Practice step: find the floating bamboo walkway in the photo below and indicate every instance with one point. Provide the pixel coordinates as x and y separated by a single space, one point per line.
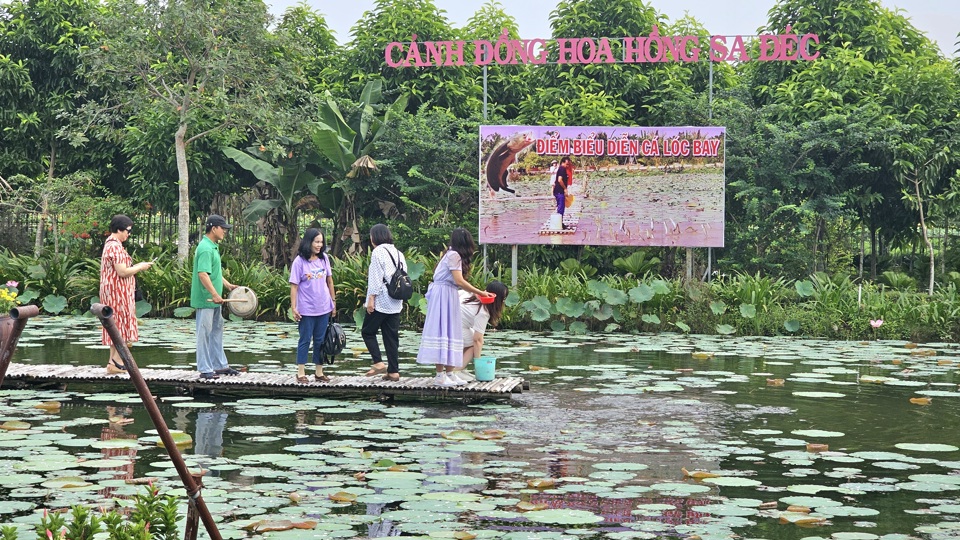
249 383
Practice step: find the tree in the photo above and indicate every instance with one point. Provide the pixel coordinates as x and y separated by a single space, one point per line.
599 94
40 46
207 66
453 87
506 85
319 54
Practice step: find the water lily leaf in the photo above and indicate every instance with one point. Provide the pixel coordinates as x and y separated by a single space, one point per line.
10 507
791 325
725 329
279 525
542 483
66 482
180 439
458 435
183 312
343 496
650 318
525 506
142 308
14 425
749 311
563 517
919 447
819 394
49 406
718 307
732 481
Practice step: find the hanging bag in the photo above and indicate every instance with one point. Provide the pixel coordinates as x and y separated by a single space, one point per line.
399 286
333 342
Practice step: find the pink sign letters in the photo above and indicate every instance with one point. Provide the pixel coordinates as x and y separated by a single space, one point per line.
651 48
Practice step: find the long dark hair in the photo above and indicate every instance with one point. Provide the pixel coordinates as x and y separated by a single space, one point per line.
305 251
495 309
461 241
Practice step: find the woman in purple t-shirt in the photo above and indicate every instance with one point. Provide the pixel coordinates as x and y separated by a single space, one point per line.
312 300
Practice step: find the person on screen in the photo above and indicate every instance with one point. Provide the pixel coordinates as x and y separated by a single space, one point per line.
560 181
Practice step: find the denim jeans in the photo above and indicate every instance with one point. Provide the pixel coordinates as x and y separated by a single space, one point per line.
312 327
210 355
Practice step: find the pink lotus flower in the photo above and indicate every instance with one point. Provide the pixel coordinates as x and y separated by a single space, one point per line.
876 323
13 284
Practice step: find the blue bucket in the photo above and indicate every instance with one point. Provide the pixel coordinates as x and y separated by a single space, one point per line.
485 368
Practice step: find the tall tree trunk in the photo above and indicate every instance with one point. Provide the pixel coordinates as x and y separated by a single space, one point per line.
873 253
183 202
45 202
926 235
862 253
943 245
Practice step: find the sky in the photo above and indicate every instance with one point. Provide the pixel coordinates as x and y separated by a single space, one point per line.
938 19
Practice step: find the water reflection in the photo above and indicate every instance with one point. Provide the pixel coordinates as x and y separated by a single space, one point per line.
208 439
117 418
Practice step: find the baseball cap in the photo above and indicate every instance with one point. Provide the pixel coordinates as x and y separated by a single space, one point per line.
215 220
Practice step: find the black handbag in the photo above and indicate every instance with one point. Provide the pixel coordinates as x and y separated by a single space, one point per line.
333 342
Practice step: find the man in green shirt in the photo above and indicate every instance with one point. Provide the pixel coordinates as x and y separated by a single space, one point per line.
205 288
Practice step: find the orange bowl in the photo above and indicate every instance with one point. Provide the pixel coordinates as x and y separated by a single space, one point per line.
486 299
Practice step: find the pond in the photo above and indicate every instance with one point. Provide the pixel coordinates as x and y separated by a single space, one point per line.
782 438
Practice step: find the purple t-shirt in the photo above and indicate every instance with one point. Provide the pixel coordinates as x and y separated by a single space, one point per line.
313 295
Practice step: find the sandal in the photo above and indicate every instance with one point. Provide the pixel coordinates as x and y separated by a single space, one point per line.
376 371
113 367
322 378
392 377
302 380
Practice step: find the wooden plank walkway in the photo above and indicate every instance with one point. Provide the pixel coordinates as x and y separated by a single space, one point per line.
249 383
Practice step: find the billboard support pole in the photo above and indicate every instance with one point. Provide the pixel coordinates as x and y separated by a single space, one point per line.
707 272
485 274
513 266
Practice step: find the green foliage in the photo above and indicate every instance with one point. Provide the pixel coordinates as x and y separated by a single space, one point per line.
637 264
898 281
154 517
452 88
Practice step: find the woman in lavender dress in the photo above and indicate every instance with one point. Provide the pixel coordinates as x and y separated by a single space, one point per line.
442 340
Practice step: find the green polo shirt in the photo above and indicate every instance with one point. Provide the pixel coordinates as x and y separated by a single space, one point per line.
205 259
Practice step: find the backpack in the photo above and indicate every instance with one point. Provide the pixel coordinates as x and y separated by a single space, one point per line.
399 287
333 342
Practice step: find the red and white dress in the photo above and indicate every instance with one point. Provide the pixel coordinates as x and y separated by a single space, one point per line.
117 292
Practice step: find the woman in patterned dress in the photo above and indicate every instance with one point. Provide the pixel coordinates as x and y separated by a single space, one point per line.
117 286
442 341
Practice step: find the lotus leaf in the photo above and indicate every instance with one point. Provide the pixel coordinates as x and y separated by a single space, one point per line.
563 517
919 447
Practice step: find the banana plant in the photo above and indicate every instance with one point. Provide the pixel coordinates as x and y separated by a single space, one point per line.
290 180
345 146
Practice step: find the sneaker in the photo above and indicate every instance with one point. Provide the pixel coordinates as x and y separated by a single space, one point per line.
465 375
456 378
228 371
450 380
209 375
441 379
